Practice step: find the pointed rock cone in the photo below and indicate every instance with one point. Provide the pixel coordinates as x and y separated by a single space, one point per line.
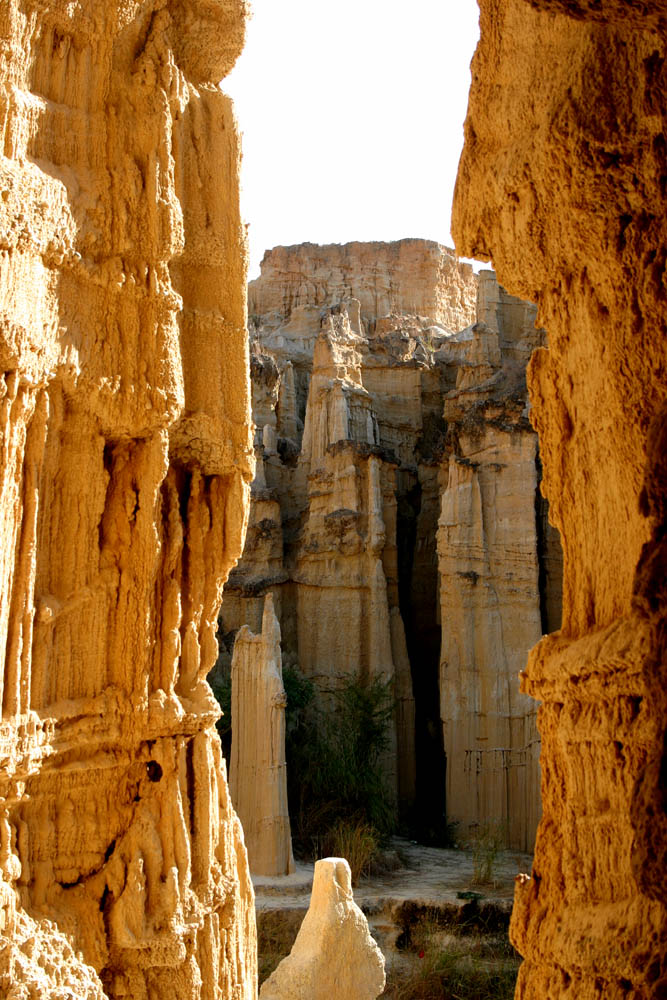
334 956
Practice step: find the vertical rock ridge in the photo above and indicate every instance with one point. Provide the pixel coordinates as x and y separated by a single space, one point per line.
258 772
489 563
124 473
561 183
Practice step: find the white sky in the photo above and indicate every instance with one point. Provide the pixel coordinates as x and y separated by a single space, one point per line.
352 118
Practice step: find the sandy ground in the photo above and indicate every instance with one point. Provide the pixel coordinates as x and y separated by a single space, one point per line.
431 878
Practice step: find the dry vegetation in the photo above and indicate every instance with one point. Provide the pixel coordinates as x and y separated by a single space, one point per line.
486 843
437 961
439 965
276 932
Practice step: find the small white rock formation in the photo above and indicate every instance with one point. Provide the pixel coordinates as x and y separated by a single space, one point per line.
334 956
258 772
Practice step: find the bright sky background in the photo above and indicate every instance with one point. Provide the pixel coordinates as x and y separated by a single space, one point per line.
352 118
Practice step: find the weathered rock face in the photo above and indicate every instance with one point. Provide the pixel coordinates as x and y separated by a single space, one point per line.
489 561
123 477
258 773
364 422
410 276
334 954
562 184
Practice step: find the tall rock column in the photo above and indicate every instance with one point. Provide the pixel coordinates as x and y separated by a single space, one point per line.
258 771
487 551
562 183
372 365
124 476
488 558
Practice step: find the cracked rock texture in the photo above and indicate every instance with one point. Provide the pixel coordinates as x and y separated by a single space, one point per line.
388 386
562 185
124 469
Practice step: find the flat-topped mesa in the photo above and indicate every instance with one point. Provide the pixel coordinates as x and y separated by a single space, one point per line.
409 276
367 412
124 486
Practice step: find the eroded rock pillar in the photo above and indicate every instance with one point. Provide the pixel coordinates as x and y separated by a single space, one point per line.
334 955
258 770
125 465
562 184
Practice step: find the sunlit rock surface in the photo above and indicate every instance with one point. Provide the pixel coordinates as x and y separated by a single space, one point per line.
562 184
124 478
334 955
491 550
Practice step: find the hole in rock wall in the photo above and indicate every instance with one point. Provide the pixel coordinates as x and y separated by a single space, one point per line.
153 770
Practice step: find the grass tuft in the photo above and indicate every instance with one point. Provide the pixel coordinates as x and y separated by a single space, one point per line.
487 840
357 842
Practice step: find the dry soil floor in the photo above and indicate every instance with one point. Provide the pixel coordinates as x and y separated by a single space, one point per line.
433 883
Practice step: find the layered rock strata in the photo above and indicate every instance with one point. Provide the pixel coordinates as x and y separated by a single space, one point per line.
258 773
334 954
364 421
124 472
562 185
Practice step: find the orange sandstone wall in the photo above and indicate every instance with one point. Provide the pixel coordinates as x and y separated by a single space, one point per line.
125 461
562 184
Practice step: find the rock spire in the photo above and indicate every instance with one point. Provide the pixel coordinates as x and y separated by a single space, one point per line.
258 773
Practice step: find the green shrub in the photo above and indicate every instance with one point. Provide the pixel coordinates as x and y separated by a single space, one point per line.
299 691
338 798
334 766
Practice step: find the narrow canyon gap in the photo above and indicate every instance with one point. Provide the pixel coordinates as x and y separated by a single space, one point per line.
562 184
397 489
125 467
124 472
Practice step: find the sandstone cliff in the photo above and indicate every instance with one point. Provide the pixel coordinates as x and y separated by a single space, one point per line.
562 184
492 608
388 387
124 477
